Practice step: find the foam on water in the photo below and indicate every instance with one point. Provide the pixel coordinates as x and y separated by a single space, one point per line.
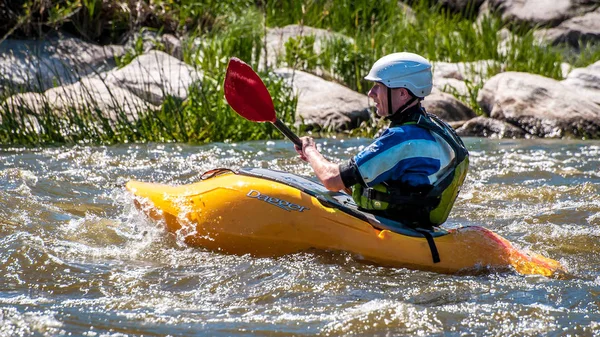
78 258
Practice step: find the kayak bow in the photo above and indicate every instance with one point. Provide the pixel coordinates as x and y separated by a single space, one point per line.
269 213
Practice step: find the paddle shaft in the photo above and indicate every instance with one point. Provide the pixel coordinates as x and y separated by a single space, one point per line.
287 132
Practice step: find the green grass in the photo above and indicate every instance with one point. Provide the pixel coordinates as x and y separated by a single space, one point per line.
213 31
203 117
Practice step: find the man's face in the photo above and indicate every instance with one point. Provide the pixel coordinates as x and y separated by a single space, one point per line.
378 94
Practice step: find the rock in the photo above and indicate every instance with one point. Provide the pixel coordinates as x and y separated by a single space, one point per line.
586 81
93 95
488 127
142 41
409 13
325 104
539 105
32 65
456 78
466 7
565 69
277 37
447 107
155 75
24 108
172 46
577 30
147 39
540 12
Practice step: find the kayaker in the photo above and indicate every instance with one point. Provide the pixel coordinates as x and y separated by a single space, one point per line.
414 170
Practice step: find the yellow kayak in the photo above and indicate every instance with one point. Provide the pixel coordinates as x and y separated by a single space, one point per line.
269 213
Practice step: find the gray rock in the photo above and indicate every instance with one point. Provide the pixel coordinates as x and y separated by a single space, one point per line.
409 13
488 127
142 41
447 107
154 76
325 104
172 46
92 94
541 12
147 40
586 81
581 29
24 108
462 6
32 65
277 37
457 78
539 105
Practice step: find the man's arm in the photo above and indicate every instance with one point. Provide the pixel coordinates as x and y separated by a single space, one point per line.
327 172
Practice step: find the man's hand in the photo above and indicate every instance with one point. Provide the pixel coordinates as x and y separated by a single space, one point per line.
308 143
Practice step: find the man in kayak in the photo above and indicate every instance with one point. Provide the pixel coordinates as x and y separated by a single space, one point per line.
413 172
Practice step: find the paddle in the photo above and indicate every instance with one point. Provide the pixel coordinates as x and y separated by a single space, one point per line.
248 96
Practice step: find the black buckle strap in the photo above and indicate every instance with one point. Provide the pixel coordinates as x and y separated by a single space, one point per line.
435 255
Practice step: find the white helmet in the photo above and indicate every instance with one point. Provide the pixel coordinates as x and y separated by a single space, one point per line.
403 70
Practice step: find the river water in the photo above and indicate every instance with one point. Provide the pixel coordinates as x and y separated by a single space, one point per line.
76 258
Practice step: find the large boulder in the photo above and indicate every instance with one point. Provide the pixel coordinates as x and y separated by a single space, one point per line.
487 127
326 104
88 96
580 29
541 12
539 105
97 96
447 107
37 65
154 76
586 81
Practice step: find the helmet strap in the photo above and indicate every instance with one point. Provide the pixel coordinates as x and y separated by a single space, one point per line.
403 107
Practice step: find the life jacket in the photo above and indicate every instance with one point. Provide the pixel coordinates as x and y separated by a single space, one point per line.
420 208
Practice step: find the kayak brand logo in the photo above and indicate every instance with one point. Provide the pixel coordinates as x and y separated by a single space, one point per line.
285 205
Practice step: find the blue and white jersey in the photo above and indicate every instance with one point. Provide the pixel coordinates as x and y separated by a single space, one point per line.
409 154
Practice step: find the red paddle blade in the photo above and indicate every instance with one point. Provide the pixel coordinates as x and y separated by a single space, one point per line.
246 93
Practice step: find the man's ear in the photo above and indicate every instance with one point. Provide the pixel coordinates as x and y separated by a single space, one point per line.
403 92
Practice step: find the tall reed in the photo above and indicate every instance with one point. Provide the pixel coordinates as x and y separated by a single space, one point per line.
213 31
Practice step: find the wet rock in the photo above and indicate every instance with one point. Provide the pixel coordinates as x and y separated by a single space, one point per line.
447 107
586 81
541 12
539 105
37 65
154 76
326 104
581 29
488 127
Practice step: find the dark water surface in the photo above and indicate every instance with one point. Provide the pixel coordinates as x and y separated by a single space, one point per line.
76 258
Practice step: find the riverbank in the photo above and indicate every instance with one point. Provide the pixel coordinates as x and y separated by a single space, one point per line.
156 75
